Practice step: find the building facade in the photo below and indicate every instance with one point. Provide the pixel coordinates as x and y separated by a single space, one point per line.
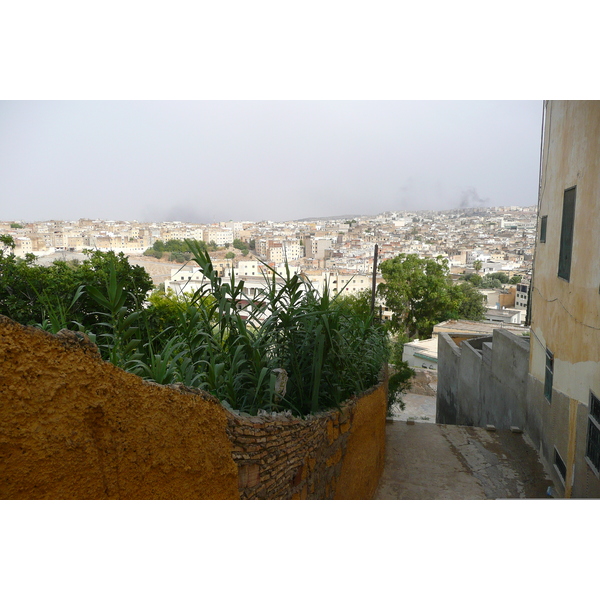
563 414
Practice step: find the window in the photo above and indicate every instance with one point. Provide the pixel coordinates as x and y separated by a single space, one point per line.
549 375
543 226
559 463
566 234
592 451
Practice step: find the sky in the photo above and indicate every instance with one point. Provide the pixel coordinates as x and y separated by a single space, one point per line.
209 161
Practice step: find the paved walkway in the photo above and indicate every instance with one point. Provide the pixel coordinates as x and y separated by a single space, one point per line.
430 461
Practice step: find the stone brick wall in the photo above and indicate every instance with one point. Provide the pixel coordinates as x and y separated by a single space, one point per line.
337 454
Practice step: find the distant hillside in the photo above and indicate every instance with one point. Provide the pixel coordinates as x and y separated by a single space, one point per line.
338 218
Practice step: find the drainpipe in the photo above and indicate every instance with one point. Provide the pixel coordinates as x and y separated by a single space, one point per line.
528 313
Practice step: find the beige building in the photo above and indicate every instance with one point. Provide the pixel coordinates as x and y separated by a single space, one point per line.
563 412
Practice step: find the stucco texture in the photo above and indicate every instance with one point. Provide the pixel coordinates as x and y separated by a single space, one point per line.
75 427
364 458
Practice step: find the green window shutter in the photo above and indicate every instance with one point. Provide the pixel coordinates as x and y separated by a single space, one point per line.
543 227
566 234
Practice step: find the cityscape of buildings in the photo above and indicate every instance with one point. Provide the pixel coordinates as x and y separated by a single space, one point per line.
338 252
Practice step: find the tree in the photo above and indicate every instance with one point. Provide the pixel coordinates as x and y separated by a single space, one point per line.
490 282
501 277
417 291
30 293
515 279
358 304
420 293
239 245
469 302
474 279
230 255
477 266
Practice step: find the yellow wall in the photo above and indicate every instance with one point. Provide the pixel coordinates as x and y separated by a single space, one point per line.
566 315
73 426
365 454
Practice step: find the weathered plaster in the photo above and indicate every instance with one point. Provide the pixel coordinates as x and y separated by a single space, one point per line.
75 427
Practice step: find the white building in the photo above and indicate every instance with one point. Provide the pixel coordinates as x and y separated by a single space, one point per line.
421 353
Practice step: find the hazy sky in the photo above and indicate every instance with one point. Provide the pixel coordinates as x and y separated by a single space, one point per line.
207 161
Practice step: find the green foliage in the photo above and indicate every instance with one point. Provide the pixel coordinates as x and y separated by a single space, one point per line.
33 294
417 291
16 226
515 279
176 250
328 353
473 279
8 241
400 375
501 277
239 245
252 244
468 303
477 266
489 282
245 252
358 304
230 255
216 339
420 293
117 335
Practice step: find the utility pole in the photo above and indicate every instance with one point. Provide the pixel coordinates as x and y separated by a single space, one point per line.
374 283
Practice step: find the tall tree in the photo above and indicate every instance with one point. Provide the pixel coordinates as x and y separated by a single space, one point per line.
420 293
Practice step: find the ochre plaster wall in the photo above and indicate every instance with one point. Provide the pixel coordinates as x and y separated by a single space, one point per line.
74 426
365 454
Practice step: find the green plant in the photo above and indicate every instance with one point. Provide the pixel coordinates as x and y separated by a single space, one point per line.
119 337
401 373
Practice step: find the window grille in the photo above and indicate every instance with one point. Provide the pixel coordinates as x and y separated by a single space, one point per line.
549 375
592 451
560 465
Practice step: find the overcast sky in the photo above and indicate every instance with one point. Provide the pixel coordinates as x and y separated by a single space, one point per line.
207 161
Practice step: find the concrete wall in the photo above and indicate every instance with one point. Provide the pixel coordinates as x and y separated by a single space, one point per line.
484 382
75 427
449 355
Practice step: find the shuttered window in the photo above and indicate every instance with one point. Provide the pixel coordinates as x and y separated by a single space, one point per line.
549 375
543 227
560 465
592 451
566 234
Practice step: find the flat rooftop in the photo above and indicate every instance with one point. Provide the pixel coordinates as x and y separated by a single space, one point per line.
476 327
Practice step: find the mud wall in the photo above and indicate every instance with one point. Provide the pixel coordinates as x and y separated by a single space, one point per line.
75 427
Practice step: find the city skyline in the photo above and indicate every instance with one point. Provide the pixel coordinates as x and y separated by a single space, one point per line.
209 161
